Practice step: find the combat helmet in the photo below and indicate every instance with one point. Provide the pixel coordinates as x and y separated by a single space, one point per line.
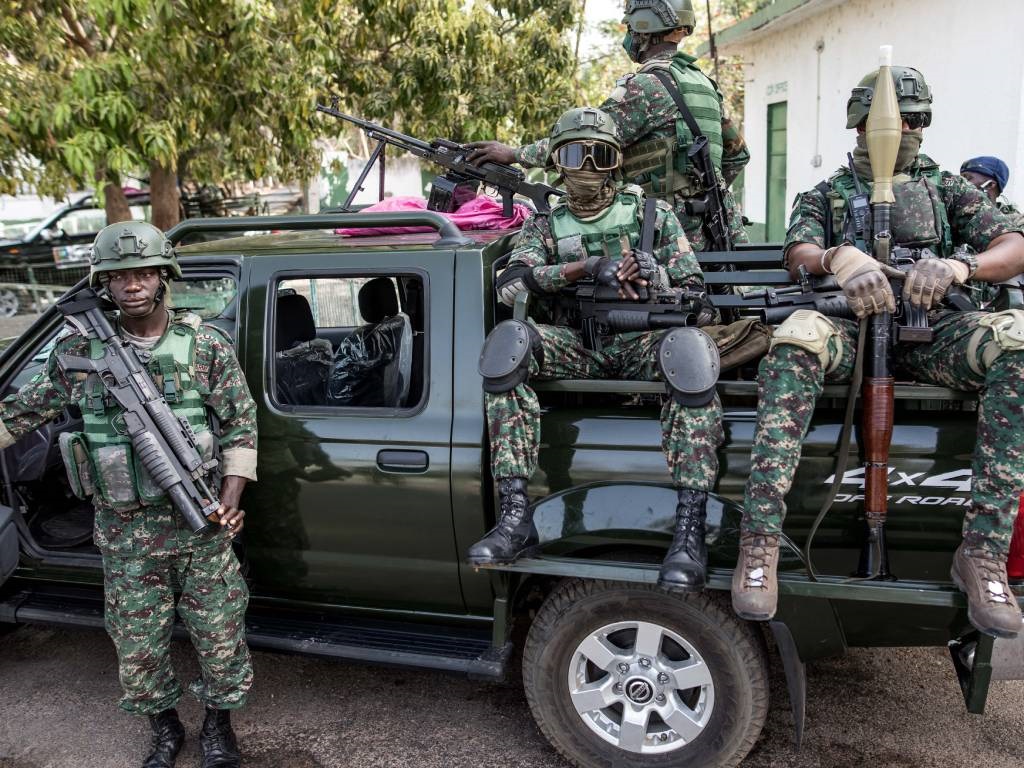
591 128
647 17
911 89
130 245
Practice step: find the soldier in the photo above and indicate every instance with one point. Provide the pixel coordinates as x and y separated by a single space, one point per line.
991 175
654 133
147 547
973 351
593 234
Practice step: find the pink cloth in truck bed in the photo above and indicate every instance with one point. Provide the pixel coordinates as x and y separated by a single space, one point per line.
482 212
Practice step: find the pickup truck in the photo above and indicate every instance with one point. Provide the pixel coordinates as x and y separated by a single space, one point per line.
374 479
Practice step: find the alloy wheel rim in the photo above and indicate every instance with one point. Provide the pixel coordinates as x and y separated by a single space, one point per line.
641 687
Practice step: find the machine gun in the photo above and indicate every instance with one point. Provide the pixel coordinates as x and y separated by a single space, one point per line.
462 180
165 444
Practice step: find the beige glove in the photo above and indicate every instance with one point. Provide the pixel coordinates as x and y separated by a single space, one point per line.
929 280
864 281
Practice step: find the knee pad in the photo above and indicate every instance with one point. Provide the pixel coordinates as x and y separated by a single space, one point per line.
505 358
811 331
996 333
689 362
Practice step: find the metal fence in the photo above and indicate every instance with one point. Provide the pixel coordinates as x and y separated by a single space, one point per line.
33 288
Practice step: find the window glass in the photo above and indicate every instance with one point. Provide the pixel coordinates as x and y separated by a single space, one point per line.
208 297
349 342
87 221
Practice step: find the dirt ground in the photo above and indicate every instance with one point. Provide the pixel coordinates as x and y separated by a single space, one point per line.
880 708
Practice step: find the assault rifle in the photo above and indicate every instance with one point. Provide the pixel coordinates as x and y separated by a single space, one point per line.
462 180
597 310
164 443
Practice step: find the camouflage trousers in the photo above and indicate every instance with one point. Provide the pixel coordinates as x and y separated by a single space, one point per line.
690 436
790 381
139 617
695 232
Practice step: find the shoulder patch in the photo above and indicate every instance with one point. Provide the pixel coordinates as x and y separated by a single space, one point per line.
661 205
191 319
622 81
215 332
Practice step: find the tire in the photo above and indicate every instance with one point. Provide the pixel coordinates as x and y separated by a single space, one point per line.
9 303
709 677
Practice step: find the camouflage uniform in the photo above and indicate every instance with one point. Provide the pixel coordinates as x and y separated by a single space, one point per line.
643 110
148 550
791 378
690 436
1010 208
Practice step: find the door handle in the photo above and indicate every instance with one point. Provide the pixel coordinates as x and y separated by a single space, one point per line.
406 462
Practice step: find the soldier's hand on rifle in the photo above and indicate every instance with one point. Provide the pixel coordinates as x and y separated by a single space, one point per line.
864 281
929 279
490 152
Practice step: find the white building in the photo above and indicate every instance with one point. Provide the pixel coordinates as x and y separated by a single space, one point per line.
803 57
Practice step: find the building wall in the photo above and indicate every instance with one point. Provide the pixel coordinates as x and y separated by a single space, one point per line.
969 52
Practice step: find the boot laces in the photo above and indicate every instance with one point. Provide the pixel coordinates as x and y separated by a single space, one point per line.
758 556
994 574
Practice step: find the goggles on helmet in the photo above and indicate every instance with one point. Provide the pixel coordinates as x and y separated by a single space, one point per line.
573 154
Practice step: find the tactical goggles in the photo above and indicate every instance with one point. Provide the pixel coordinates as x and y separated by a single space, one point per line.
917 120
573 154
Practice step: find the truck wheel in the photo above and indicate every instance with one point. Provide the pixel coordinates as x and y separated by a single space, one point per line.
9 303
628 675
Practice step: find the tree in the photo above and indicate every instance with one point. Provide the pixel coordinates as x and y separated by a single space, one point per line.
91 90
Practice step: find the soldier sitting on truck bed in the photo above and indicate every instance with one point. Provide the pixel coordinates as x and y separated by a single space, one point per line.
973 351
593 236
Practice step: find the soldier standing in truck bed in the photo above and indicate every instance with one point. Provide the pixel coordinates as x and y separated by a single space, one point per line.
654 134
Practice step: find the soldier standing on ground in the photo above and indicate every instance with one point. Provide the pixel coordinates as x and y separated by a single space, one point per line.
147 547
654 135
975 351
594 234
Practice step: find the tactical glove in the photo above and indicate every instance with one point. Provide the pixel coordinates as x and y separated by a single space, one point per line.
864 281
650 270
602 269
929 279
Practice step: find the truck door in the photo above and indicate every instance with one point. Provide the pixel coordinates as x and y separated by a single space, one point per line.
350 357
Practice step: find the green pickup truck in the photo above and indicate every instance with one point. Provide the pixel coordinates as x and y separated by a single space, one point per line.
361 352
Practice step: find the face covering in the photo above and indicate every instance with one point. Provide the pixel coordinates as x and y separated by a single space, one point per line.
910 147
588 192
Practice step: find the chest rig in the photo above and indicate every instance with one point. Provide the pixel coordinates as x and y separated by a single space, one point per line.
919 218
614 231
115 473
660 165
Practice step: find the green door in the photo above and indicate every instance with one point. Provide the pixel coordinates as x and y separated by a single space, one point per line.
776 197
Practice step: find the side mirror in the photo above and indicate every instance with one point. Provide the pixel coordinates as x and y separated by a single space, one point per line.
50 234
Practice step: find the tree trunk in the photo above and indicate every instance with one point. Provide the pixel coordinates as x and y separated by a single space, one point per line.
114 201
163 196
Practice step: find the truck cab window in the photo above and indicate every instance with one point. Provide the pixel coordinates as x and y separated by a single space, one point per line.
349 342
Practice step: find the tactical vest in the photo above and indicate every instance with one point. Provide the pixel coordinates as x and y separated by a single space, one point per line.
117 476
617 229
660 165
919 218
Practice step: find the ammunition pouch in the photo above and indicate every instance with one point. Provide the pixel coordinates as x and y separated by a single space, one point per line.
505 357
75 453
689 362
996 333
739 342
811 331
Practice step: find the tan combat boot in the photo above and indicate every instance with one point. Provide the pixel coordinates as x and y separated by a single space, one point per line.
755 588
991 606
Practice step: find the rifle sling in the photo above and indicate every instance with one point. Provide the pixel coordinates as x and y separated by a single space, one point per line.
647 226
843 448
673 90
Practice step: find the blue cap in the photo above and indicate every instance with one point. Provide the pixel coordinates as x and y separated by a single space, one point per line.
989 166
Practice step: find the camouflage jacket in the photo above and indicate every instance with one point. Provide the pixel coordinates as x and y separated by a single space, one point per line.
643 109
535 249
155 530
1010 208
973 219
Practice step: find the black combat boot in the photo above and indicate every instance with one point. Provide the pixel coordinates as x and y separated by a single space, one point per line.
217 741
168 737
514 535
686 564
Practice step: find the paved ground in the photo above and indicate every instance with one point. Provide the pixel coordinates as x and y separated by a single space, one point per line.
883 709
